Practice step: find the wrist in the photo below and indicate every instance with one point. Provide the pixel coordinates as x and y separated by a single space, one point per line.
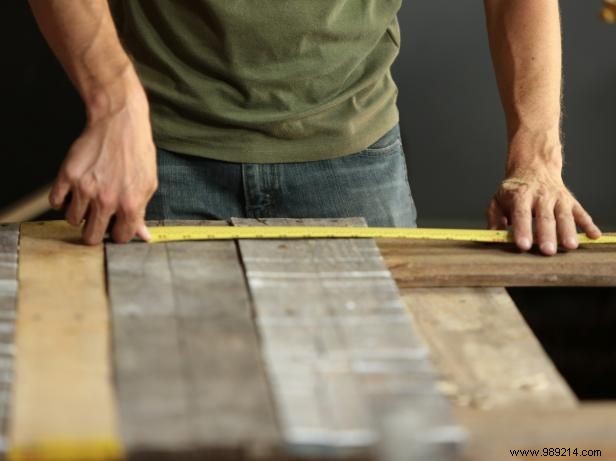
115 93
535 149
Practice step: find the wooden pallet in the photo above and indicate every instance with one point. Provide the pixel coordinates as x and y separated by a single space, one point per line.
277 350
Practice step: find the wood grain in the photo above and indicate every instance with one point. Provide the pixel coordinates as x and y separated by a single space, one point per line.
9 236
454 264
63 406
347 369
484 351
495 432
189 376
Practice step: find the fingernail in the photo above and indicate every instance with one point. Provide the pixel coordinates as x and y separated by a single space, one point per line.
571 242
145 234
548 248
524 243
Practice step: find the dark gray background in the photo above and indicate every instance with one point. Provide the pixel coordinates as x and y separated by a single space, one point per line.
451 117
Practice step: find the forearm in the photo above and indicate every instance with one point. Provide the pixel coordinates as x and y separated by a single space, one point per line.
525 41
110 170
83 37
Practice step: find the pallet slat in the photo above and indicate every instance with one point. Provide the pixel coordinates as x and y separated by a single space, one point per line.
486 354
458 264
186 352
588 428
9 236
339 346
62 404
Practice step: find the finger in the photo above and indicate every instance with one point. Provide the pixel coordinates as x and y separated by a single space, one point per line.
545 228
77 208
96 224
128 221
58 193
522 223
565 224
143 233
584 220
495 216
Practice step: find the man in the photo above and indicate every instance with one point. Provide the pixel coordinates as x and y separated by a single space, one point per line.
285 108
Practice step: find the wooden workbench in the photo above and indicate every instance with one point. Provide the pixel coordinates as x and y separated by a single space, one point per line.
84 372
506 391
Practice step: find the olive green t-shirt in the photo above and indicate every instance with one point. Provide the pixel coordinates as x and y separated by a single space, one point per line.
265 80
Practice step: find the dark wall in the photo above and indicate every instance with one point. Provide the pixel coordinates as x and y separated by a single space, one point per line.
451 117
42 113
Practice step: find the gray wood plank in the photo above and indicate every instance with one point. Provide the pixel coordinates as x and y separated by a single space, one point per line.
148 366
340 348
9 239
192 382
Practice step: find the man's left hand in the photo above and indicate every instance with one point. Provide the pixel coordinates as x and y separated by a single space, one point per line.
540 209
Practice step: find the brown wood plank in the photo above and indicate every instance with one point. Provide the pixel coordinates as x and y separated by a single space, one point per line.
9 236
495 432
62 404
339 346
187 355
433 264
484 351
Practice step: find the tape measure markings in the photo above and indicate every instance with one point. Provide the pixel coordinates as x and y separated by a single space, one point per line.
186 233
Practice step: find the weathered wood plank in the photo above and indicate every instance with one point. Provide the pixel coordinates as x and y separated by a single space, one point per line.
495 432
433 264
188 368
9 235
149 375
339 346
485 352
62 405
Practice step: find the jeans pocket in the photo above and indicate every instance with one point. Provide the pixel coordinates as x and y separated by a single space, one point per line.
390 143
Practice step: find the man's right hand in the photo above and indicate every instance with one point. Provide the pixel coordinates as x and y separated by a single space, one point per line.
111 168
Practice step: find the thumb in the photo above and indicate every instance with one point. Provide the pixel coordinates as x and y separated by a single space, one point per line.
143 233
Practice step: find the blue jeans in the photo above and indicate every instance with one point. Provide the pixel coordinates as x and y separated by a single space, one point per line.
372 183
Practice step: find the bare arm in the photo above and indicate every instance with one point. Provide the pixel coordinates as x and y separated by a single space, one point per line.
111 168
525 41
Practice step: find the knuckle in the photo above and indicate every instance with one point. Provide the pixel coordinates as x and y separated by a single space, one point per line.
544 217
520 213
85 188
129 207
71 175
106 201
520 201
518 191
564 216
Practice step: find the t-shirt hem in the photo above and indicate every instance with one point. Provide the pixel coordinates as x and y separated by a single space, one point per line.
302 151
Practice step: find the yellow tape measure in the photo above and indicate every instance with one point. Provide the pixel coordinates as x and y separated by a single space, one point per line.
183 233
